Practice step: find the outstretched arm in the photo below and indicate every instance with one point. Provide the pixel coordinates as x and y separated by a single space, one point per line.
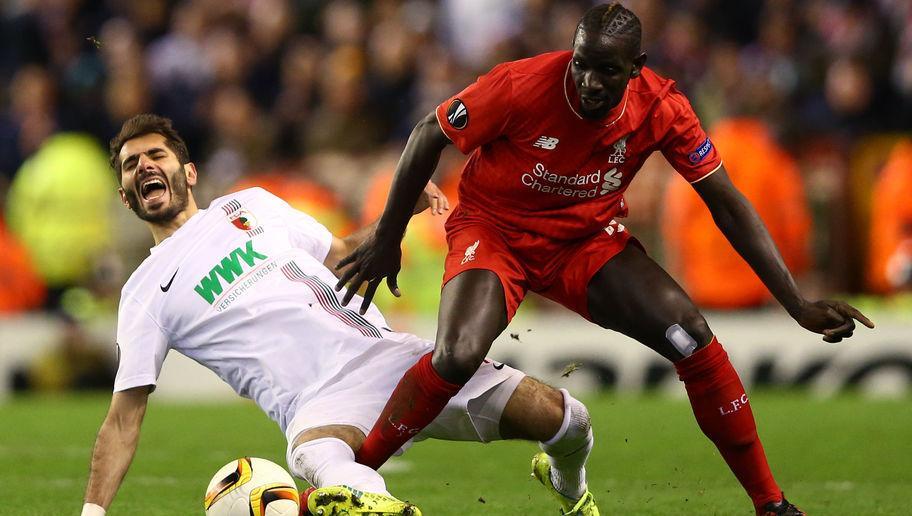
431 198
114 448
379 255
739 222
415 168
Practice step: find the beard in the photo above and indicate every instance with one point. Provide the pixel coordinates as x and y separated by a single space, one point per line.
596 115
178 202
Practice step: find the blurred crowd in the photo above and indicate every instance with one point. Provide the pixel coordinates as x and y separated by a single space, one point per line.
809 101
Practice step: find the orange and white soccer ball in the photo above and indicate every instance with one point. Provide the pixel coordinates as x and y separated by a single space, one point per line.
251 487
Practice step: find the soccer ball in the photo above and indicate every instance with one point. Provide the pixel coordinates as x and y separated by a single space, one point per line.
251 487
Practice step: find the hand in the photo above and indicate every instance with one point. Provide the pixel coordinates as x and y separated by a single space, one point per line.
432 198
834 319
376 258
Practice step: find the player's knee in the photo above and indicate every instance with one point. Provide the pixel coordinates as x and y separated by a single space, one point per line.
553 408
575 431
696 326
689 334
309 460
457 361
580 423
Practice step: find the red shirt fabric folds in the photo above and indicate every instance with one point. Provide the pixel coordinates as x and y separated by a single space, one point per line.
536 165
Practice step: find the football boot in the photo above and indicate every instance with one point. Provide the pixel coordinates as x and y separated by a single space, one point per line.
781 508
585 506
348 501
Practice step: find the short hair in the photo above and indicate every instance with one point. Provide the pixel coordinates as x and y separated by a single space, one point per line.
612 20
141 125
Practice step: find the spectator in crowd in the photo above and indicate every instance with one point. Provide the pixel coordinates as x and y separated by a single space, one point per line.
304 86
31 118
715 275
59 208
890 254
74 363
21 288
304 195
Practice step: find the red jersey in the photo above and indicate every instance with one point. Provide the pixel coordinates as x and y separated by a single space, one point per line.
537 165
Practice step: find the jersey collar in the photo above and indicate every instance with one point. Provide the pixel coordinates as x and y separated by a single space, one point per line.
191 221
611 118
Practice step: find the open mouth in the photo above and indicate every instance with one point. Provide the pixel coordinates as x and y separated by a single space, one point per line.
152 189
589 101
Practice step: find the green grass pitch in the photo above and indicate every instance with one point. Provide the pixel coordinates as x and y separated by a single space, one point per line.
844 456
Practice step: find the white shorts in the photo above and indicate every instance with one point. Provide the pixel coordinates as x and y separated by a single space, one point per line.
357 395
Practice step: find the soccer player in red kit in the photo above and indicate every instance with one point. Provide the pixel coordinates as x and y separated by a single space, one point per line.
553 142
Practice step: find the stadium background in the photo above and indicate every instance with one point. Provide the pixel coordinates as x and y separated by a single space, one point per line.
810 103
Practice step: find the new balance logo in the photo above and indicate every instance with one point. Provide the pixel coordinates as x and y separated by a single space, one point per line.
470 253
546 142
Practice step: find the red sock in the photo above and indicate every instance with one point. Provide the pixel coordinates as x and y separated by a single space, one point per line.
302 501
416 401
723 413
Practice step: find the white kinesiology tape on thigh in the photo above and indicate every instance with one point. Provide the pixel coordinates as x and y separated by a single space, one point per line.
330 462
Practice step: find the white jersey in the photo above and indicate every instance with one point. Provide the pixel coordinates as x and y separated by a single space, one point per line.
241 288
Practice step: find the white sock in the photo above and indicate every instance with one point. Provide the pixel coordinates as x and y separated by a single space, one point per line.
569 448
331 462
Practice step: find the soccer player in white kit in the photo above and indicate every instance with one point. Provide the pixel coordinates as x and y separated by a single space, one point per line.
244 288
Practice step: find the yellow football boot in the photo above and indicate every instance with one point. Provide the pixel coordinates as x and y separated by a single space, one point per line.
347 501
585 506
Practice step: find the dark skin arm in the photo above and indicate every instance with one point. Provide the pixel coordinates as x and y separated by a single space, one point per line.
380 255
739 222
431 198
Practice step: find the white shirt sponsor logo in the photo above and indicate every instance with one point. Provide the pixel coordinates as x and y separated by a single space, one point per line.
584 186
470 252
614 227
620 151
612 181
546 142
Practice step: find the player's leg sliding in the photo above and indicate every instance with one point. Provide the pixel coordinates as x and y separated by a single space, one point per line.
721 408
328 461
342 486
568 450
419 398
561 468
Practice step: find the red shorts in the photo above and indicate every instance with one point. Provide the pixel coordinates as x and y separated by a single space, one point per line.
558 270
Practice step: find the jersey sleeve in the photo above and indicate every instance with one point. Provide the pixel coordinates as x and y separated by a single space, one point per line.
308 234
141 347
686 145
304 231
479 113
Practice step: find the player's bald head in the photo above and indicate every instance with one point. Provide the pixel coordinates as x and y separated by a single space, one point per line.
610 24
